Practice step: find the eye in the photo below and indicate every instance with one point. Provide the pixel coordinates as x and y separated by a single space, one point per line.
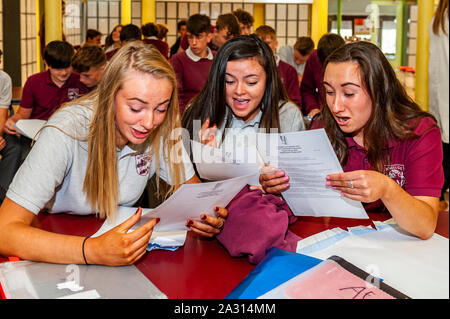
161 110
348 94
252 83
134 109
229 82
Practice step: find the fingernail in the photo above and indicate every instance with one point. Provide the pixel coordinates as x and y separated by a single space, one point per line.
286 178
334 187
216 209
328 183
138 210
203 216
328 177
280 173
189 223
157 220
287 185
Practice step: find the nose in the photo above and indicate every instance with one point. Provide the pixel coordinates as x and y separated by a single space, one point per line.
147 120
336 104
240 88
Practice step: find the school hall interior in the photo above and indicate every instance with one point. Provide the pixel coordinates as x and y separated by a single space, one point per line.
399 28
380 223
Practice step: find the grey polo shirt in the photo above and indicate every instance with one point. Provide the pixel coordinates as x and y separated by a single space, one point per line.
53 173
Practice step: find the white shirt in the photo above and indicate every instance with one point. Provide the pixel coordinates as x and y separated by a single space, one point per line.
438 78
5 90
53 173
191 55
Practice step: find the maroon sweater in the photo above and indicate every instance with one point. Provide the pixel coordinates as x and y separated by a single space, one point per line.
191 76
162 46
289 77
311 87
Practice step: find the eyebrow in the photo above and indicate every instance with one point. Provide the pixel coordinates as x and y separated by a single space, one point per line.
342 85
247 76
144 102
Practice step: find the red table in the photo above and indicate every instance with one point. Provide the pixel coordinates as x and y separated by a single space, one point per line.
202 268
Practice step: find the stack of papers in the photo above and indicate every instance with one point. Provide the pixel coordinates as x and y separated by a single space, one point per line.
417 268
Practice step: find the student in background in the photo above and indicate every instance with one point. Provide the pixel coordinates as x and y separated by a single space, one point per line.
122 128
192 66
298 54
93 37
181 30
162 31
246 21
227 27
112 41
44 92
150 32
287 72
438 76
128 33
243 94
311 85
390 149
10 148
89 62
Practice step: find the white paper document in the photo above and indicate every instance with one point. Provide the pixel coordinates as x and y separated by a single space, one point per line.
307 157
192 200
161 239
189 201
224 163
418 268
29 128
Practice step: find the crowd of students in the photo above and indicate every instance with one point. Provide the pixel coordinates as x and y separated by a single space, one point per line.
110 123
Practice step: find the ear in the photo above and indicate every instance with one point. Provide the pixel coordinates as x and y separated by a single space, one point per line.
209 37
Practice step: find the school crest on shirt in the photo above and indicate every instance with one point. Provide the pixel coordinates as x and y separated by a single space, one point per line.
73 93
396 172
143 163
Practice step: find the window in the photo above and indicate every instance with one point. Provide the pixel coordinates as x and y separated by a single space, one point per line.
72 22
28 38
103 16
290 21
136 16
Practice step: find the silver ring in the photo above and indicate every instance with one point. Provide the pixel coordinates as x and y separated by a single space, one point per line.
350 184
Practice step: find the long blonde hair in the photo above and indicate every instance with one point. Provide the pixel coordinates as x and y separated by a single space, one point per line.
101 184
439 17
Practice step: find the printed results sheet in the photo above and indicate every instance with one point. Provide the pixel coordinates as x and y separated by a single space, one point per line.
307 157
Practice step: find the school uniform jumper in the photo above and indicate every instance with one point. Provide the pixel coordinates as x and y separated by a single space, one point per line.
191 72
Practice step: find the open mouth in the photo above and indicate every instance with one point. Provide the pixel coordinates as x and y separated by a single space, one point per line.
342 120
138 134
241 103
